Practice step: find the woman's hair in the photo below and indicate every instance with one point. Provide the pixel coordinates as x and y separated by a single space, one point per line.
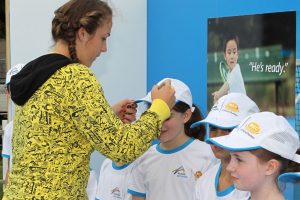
229 38
286 165
69 18
197 132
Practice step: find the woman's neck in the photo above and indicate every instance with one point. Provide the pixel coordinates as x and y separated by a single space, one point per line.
61 47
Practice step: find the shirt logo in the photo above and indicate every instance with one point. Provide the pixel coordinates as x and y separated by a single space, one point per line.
198 174
116 193
253 128
232 107
180 172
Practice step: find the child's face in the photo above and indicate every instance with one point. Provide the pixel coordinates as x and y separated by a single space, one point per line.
174 126
247 172
218 151
231 54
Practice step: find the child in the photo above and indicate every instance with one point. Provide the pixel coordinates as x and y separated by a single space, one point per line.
113 181
168 170
234 82
261 148
7 138
227 113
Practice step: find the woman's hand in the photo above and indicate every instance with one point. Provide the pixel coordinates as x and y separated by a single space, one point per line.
164 92
126 110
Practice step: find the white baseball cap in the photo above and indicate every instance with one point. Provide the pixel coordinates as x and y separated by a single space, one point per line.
229 111
291 177
182 93
13 71
262 130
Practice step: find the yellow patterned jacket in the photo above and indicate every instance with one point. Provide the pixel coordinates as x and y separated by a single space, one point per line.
59 126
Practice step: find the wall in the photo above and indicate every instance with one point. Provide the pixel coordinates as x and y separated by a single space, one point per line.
177 39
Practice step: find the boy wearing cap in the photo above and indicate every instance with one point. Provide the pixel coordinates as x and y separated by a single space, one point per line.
168 170
6 148
261 147
226 114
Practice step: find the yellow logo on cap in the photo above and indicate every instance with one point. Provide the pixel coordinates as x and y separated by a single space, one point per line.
231 106
253 127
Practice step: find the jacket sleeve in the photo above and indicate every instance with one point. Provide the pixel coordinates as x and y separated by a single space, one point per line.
94 118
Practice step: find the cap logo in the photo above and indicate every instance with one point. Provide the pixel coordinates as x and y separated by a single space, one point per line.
253 127
233 107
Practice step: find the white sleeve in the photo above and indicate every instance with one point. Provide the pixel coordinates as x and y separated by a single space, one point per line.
92 185
7 140
136 185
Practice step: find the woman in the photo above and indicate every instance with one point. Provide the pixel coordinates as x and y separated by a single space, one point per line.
62 114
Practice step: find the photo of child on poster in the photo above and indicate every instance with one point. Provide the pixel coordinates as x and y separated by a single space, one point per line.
254 55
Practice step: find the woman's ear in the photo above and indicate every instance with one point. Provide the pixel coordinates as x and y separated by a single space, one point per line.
273 166
82 35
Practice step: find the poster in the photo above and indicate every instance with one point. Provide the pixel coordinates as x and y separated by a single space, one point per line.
265 63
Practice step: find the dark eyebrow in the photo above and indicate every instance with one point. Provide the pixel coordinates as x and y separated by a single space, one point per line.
236 155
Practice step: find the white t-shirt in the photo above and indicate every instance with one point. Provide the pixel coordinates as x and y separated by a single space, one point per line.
170 174
92 185
7 140
235 80
113 181
207 187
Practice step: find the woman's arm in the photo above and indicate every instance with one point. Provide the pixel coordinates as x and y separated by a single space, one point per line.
96 120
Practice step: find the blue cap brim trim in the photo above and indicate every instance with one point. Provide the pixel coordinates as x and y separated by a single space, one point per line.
211 141
209 123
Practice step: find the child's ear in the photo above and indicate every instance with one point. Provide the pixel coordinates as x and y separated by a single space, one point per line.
272 167
187 115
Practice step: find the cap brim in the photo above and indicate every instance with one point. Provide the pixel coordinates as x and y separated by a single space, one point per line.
291 177
141 101
233 142
206 121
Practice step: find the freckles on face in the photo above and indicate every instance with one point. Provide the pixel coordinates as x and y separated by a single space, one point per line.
246 170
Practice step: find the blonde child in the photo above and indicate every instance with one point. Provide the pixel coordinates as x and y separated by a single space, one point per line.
261 148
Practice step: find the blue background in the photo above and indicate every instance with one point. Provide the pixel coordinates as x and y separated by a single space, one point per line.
177 41
177 37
